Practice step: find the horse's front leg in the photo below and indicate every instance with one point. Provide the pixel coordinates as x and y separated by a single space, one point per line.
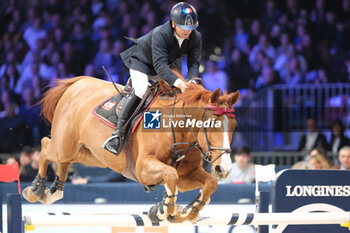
198 178
152 171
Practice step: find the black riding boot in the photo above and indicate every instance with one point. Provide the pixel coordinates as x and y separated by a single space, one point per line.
114 143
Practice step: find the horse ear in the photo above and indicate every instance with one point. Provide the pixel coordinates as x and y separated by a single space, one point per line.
233 98
215 96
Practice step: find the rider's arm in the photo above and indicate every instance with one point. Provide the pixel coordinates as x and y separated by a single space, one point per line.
160 57
194 55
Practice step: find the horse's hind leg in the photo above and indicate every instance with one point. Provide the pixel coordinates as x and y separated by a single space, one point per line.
34 192
57 188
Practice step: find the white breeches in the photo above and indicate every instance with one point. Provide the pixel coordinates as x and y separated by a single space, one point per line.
139 82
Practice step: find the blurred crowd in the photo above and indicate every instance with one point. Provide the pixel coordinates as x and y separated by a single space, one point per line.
249 45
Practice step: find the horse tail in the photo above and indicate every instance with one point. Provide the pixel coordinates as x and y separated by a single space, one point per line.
53 95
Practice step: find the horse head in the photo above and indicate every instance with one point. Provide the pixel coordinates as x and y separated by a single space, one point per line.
215 136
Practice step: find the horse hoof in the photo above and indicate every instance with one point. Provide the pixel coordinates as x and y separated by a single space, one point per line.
194 219
49 198
171 219
29 195
152 214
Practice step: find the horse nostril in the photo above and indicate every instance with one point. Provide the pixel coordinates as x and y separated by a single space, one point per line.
218 169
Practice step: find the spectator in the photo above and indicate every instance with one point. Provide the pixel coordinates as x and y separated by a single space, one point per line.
318 160
25 156
27 76
300 32
240 38
271 14
322 77
11 127
33 33
283 66
118 69
275 35
264 46
80 39
73 65
214 78
283 44
344 159
31 114
303 165
294 74
317 16
12 76
344 74
310 52
261 60
103 57
312 139
90 70
96 7
242 170
10 160
30 171
59 38
255 31
239 71
292 12
55 68
267 78
338 138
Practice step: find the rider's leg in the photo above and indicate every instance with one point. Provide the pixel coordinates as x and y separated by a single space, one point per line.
140 85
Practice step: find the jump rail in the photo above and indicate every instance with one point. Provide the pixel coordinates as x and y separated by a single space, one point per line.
131 220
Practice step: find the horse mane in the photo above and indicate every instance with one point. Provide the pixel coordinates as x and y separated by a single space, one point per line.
52 96
195 93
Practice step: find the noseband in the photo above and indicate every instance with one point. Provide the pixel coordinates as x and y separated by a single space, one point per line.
206 154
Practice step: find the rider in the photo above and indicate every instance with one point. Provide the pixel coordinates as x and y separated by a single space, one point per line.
152 56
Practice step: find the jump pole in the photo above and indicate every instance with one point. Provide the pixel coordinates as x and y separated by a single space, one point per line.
133 220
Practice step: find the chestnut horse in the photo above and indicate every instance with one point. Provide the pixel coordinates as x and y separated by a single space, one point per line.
77 136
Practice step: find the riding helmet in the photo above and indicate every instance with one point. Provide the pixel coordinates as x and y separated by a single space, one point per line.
184 15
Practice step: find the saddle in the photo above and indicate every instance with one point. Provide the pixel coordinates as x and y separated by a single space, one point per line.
109 110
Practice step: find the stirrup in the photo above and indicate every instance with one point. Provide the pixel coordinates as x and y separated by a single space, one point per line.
113 150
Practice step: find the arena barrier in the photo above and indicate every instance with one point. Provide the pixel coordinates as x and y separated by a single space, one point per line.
322 208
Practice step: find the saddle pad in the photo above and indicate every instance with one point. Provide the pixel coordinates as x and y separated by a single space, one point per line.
106 111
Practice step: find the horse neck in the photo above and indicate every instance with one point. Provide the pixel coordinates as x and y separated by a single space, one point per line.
189 111
195 110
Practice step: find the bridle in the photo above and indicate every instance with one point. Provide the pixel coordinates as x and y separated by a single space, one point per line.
206 154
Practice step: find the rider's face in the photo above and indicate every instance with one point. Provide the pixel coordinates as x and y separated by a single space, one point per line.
184 34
